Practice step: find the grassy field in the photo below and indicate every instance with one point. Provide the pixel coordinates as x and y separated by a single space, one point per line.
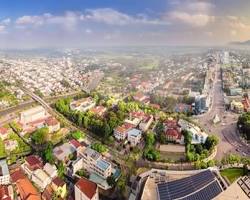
232 174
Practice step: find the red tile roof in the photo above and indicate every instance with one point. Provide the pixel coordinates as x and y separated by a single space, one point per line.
75 143
4 193
3 130
51 121
173 133
124 128
48 193
26 190
34 161
99 110
58 182
87 187
171 123
18 174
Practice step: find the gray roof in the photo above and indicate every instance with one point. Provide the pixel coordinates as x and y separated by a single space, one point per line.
4 168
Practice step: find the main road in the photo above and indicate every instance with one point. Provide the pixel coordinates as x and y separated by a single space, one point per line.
226 130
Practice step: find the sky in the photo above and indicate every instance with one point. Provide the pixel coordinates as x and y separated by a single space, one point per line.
82 23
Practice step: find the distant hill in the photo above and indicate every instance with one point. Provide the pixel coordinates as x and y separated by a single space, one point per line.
241 43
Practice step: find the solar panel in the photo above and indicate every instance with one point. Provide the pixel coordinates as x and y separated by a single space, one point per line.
183 187
207 193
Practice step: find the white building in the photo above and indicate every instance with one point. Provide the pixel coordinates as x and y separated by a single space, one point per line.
83 104
32 114
41 179
86 190
134 136
121 132
92 161
198 136
145 123
51 170
4 173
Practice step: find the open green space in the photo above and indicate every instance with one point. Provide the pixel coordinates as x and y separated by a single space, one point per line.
232 174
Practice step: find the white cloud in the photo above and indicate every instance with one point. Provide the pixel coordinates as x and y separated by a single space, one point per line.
192 12
2 29
198 20
108 16
88 31
5 21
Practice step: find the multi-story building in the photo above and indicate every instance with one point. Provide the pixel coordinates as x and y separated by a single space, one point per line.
134 136
4 173
86 190
121 132
41 179
93 162
31 164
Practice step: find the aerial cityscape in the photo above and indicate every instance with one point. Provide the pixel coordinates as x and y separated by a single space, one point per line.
125 100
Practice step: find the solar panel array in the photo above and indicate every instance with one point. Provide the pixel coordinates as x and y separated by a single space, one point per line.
207 193
183 187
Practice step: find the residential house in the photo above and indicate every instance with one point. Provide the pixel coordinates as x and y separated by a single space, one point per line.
41 179
173 135
48 193
146 122
53 124
4 173
6 192
83 104
10 145
24 188
63 152
4 133
141 98
121 132
86 190
32 163
51 170
173 131
59 187
99 110
198 136
134 136
93 162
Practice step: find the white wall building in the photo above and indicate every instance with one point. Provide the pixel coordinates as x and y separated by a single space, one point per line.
134 136
32 114
4 173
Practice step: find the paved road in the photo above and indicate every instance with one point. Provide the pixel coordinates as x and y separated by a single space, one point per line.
226 130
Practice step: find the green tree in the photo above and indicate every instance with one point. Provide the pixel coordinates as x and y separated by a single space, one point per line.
40 135
48 153
111 181
187 137
99 147
78 135
150 139
211 142
61 169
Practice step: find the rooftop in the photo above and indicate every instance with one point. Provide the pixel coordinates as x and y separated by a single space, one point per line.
134 133
4 170
89 188
102 164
